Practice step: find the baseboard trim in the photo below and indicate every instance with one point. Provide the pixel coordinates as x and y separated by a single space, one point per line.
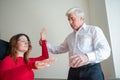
114 79
47 79
65 79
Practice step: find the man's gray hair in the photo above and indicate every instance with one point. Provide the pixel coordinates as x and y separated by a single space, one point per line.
76 10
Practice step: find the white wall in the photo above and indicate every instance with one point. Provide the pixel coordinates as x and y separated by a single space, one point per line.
113 15
98 17
29 16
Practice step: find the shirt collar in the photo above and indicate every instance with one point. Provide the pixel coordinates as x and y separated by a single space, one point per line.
81 28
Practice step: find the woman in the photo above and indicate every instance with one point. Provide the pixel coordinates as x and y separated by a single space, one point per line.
17 65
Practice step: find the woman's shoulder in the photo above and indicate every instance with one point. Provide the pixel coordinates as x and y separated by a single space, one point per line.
7 57
6 64
7 60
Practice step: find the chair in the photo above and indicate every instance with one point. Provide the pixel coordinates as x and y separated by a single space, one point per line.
4 45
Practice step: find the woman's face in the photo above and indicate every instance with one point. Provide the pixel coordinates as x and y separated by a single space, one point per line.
22 44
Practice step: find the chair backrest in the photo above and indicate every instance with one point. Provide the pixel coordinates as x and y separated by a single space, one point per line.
4 45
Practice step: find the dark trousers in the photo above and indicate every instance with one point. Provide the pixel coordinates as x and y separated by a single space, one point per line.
87 72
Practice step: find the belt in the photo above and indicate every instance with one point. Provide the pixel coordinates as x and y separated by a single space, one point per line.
87 66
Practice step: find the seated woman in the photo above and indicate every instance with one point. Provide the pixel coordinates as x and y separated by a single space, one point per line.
17 65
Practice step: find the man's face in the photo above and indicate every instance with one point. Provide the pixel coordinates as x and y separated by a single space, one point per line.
75 21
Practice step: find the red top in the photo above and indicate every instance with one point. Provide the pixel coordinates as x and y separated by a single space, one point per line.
9 70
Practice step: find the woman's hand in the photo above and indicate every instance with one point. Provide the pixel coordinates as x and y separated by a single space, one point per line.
44 63
42 35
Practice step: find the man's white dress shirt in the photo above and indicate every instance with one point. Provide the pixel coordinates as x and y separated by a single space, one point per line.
89 40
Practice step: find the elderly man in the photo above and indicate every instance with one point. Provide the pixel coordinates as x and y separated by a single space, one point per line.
87 47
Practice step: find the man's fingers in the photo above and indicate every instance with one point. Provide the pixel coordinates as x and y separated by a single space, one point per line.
73 56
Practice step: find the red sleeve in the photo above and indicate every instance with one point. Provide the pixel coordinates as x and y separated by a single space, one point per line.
31 64
44 55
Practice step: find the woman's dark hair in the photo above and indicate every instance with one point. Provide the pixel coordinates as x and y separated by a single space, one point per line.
12 51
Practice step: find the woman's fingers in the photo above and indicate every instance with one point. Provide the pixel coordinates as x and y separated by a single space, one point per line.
40 64
45 63
50 60
43 34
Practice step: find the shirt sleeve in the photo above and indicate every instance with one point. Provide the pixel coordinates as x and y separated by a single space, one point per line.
62 48
101 47
44 55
